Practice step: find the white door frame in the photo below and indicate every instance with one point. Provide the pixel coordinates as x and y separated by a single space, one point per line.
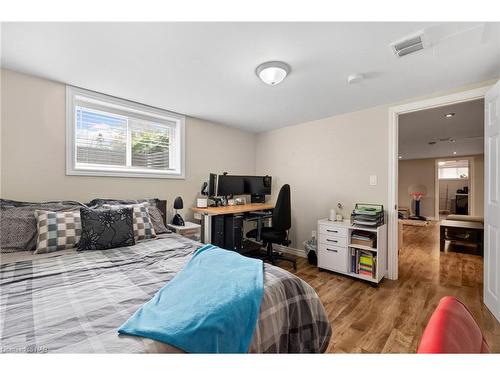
472 181
392 198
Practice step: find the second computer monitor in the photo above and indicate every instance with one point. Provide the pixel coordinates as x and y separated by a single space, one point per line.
230 185
257 185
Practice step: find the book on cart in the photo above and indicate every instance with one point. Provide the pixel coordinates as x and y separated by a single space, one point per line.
363 262
364 238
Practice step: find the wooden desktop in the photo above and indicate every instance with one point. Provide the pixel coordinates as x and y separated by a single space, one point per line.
207 213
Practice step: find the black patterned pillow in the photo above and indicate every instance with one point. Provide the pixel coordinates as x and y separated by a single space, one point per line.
154 212
106 229
143 227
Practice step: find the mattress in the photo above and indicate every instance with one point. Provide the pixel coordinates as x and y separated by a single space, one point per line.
69 302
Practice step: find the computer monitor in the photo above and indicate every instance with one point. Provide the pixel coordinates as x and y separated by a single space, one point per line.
230 185
258 185
212 185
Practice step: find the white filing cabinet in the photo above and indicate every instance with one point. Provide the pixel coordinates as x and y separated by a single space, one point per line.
336 250
332 245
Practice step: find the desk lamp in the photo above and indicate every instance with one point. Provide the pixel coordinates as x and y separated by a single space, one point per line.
178 205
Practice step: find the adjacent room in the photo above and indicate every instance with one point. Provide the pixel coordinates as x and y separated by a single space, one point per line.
250 187
441 196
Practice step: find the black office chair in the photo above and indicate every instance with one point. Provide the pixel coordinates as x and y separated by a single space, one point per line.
278 232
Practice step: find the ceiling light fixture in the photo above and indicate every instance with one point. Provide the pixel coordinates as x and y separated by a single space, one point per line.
272 72
454 152
400 157
449 115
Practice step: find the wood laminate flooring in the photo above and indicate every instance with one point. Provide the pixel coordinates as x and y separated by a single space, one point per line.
390 318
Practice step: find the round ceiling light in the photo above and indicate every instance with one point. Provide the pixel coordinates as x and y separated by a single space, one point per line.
449 115
272 72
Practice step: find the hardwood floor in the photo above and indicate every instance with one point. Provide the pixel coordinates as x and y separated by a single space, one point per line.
390 318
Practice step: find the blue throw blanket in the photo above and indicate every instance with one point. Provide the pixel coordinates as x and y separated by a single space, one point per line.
210 306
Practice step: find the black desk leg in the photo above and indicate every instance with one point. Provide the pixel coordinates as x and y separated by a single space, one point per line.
259 229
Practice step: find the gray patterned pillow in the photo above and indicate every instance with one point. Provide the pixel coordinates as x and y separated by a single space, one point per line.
157 220
106 229
143 227
18 227
57 230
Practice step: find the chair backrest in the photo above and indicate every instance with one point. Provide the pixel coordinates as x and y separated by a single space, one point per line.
452 329
282 214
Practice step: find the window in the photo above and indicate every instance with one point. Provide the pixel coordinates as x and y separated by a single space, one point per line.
107 136
453 170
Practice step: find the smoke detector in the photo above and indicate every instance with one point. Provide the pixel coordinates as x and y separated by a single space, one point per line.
408 45
355 78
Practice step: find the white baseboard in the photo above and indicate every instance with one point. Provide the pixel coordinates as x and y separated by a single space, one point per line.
290 250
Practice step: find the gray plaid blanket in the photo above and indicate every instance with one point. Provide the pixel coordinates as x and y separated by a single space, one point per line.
74 302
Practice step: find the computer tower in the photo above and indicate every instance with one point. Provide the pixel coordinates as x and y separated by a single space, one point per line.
218 231
233 231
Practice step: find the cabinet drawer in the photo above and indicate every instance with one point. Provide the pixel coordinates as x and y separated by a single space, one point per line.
332 258
331 230
332 240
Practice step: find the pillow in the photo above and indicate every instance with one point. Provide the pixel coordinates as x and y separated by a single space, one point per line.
157 220
154 212
18 224
57 230
106 229
143 227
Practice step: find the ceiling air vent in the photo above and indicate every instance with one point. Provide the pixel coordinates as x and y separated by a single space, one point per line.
408 45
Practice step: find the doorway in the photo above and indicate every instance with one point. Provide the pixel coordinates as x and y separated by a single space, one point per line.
455 183
394 157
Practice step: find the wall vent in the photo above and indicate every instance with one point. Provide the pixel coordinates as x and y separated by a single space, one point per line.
408 45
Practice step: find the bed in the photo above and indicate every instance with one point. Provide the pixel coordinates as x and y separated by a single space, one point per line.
73 302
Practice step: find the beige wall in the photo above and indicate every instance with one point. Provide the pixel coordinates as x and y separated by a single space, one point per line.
419 171
33 151
422 171
325 162
478 185
330 160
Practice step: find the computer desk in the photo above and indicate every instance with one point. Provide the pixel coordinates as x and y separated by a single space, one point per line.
207 214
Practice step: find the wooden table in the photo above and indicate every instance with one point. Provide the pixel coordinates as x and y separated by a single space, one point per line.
462 226
208 212
236 209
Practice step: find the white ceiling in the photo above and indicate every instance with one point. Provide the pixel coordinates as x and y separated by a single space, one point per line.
206 70
466 129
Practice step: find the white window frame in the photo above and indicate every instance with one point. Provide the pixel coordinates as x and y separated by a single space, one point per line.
74 94
455 178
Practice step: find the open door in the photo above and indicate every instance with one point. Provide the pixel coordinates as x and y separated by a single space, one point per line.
492 200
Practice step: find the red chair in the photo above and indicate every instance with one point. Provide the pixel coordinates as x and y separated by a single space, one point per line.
452 329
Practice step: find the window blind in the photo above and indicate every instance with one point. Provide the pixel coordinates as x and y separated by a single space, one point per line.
151 145
111 139
101 138
114 137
